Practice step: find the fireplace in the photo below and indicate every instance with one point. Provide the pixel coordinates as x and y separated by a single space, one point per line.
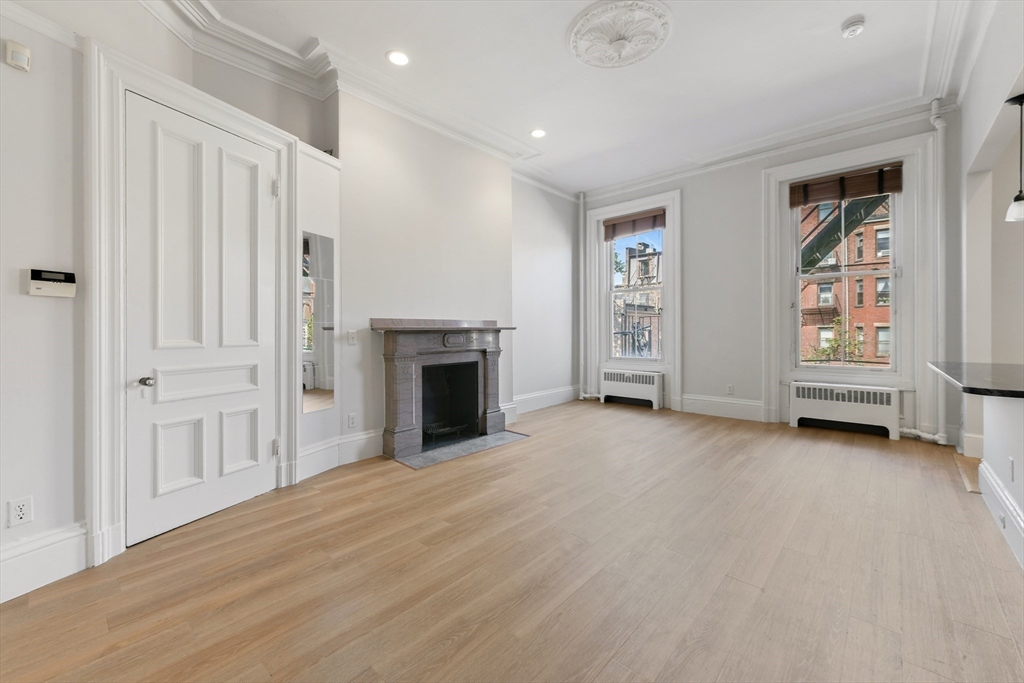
440 382
449 396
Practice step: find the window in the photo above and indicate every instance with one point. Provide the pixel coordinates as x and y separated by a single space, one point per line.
882 342
636 284
824 293
882 291
833 267
882 243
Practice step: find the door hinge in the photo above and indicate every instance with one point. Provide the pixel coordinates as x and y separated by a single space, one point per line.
275 187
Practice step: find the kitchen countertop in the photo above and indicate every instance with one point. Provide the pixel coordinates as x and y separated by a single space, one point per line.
983 379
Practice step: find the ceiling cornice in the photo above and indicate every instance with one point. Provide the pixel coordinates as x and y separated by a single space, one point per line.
542 185
914 115
319 71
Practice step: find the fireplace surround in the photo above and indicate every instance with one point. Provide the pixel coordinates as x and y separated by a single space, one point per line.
436 357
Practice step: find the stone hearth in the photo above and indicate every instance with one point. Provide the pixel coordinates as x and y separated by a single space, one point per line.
412 344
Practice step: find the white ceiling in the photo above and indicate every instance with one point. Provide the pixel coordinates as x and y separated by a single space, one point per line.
733 76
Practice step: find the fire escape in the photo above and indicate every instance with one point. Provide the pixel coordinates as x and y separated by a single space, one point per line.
824 239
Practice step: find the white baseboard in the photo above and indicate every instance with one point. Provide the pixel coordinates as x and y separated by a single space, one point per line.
973 445
340 450
105 544
511 411
545 399
1001 503
28 563
736 408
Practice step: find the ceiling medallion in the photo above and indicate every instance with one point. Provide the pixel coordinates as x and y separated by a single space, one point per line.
617 33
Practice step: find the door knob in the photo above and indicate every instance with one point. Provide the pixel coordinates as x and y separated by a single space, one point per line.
147 381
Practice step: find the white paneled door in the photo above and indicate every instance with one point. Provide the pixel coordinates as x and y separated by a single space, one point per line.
201 405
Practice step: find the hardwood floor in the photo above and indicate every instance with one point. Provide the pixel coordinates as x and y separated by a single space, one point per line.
616 544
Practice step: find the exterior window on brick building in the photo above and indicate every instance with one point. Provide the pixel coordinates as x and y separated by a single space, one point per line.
882 243
838 265
881 341
825 294
882 291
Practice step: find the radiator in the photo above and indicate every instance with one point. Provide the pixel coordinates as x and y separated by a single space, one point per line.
878 406
630 384
308 375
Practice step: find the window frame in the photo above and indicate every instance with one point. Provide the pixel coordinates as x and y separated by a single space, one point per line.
858 292
595 294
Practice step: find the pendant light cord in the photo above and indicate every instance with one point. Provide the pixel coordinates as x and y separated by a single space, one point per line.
1020 160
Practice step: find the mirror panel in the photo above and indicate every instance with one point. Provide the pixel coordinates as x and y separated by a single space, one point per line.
318 334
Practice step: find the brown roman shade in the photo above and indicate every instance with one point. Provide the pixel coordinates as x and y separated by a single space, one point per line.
633 224
865 182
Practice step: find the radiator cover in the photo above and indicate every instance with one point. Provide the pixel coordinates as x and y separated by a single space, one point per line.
633 384
879 406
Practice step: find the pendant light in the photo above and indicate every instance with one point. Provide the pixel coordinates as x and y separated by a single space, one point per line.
1016 211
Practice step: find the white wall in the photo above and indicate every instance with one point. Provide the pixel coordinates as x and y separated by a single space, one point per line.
1007 262
544 297
301 115
997 67
721 266
41 431
426 232
122 25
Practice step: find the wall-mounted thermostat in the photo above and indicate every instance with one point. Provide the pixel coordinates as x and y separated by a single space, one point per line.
51 283
18 56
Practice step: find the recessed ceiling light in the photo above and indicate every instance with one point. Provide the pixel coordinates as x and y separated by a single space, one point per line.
538 133
853 27
397 57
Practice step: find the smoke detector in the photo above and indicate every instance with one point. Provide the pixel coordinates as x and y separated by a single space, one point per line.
854 26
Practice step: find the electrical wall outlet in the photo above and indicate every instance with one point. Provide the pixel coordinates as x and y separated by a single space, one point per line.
352 420
19 511
730 389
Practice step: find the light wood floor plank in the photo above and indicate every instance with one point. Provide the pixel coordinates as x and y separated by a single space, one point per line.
872 654
700 548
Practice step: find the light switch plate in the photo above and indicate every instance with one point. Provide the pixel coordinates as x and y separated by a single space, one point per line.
352 337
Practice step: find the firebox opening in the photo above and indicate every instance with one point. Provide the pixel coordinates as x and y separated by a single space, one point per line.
450 410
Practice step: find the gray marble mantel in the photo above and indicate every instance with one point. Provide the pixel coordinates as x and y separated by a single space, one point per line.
411 344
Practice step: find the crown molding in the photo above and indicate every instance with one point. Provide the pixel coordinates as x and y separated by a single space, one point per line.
982 13
359 80
42 26
677 174
542 186
319 71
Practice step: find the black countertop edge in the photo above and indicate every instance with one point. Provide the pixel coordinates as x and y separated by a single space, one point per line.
983 379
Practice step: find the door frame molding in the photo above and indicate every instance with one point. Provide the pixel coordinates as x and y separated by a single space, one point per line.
108 76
